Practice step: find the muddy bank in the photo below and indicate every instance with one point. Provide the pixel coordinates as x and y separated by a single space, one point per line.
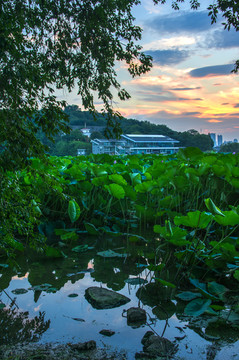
52 351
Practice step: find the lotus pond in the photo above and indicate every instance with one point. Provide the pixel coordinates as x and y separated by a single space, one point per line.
161 230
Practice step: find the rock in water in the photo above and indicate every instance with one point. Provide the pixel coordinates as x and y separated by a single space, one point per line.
156 346
101 298
136 317
107 332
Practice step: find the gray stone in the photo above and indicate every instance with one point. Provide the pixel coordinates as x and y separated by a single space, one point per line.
88 345
101 298
155 345
136 316
107 332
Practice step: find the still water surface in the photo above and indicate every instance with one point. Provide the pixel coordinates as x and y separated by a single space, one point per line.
73 319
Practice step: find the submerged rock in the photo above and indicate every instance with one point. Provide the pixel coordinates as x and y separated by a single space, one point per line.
101 298
107 332
136 316
156 346
88 345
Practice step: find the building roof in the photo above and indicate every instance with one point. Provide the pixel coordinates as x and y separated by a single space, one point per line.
107 140
148 138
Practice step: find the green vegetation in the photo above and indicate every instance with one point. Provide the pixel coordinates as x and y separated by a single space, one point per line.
69 143
46 45
231 147
187 203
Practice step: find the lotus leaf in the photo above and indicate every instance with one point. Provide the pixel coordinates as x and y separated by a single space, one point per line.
118 179
194 219
116 190
73 210
197 307
188 295
110 254
230 218
136 281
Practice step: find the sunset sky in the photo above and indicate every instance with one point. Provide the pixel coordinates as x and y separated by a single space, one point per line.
190 85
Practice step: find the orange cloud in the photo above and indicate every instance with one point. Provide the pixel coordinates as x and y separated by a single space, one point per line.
214 121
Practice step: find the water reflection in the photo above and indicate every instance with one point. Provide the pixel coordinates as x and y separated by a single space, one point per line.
51 281
17 327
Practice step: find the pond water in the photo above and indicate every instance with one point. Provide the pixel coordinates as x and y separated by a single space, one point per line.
40 305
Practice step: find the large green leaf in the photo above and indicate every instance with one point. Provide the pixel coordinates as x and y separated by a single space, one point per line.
91 229
73 210
194 219
197 307
145 186
212 207
217 289
110 254
166 283
176 236
188 295
230 218
116 190
203 289
118 179
136 281
236 275
53 252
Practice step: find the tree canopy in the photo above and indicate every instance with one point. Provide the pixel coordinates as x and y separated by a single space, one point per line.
52 44
55 44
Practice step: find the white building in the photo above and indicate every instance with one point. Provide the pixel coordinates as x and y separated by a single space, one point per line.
135 144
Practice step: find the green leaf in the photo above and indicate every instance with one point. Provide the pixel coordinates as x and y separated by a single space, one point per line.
91 229
203 289
174 235
217 289
19 291
116 190
136 281
188 295
194 219
212 207
73 210
236 275
2 306
144 187
118 179
53 252
231 218
197 307
110 254
81 248
69 236
4 265
165 283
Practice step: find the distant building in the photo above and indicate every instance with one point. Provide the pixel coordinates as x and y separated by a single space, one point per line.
85 131
150 144
135 144
213 137
108 146
219 140
81 152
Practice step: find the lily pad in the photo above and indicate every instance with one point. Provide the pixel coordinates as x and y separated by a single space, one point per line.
81 248
188 295
72 295
110 254
136 281
19 291
4 266
197 307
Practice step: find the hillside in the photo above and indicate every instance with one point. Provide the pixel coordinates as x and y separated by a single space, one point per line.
192 137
